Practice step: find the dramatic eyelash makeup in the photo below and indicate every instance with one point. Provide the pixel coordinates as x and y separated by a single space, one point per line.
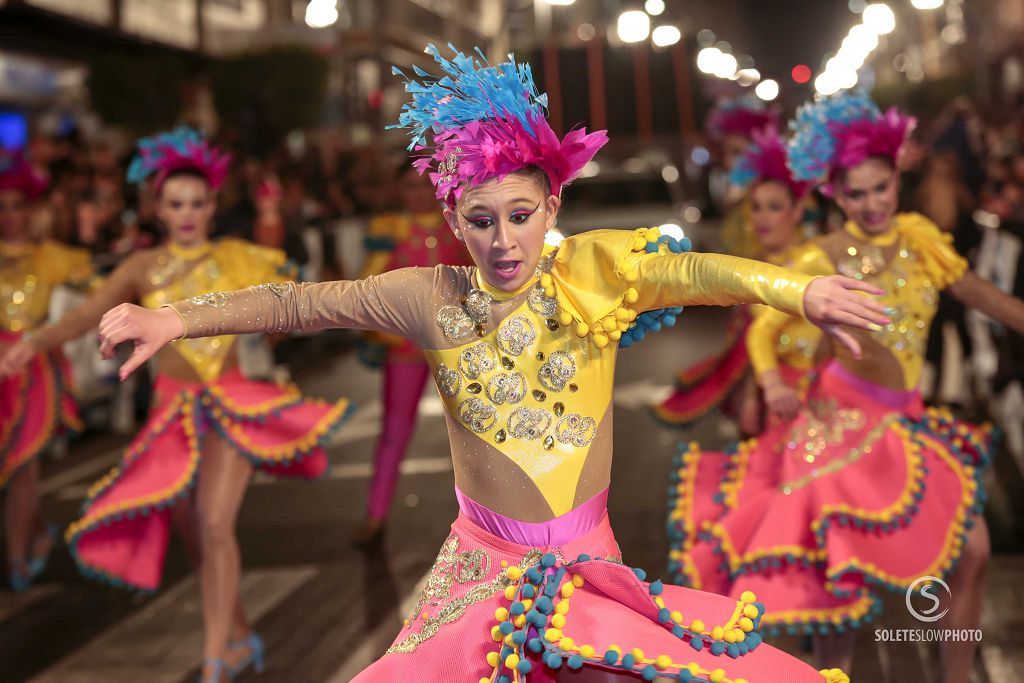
472 220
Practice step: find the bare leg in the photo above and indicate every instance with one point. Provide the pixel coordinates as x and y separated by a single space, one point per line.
21 515
185 521
223 479
967 586
834 651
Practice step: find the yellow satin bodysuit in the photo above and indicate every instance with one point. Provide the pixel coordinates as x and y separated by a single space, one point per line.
797 340
157 276
214 267
911 262
29 272
526 377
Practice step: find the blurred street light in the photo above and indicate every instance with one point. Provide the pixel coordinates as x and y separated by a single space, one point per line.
826 84
879 18
767 90
926 4
634 26
586 32
801 73
663 36
321 13
726 66
748 77
707 59
654 7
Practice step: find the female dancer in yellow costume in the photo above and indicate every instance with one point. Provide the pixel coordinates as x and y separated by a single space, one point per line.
522 346
209 427
859 488
36 402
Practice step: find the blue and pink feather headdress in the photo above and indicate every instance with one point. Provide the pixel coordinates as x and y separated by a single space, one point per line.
840 132
182 149
766 159
741 116
486 122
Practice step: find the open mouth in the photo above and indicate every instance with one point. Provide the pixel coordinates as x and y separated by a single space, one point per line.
507 270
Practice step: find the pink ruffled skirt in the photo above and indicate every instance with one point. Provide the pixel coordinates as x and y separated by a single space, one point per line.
122 535
36 405
864 490
497 610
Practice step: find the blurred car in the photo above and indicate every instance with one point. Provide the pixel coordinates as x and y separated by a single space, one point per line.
639 191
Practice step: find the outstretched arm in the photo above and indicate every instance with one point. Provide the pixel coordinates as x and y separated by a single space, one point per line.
386 303
719 280
982 295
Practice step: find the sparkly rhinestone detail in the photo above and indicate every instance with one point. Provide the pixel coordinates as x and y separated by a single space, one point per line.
214 299
557 371
528 423
543 306
278 289
477 415
576 429
448 381
477 360
507 388
516 335
454 322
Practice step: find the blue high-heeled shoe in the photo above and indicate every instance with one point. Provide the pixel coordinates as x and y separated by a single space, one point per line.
219 667
36 564
253 659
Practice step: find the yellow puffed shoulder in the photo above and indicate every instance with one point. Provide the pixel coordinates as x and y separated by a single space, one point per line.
933 248
252 264
592 276
63 264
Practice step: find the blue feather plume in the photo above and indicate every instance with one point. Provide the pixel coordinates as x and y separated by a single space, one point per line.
152 151
469 90
813 144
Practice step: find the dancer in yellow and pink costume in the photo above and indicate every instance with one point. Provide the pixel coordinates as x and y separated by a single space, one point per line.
522 345
858 488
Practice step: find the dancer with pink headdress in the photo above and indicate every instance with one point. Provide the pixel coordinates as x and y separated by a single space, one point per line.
776 203
530 585
210 427
859 488
36 403
732 125
772 221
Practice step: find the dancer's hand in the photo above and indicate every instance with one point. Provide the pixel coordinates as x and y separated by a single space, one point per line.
832 301
15 357
782 401
148 330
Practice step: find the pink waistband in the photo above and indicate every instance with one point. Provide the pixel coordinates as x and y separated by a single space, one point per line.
557 531
894 398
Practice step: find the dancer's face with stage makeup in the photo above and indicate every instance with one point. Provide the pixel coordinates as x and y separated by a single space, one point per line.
775 214
185 205
503 223
14 215
868 194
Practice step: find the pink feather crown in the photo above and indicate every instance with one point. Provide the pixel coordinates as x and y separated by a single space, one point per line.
183 149
766 159
486 122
